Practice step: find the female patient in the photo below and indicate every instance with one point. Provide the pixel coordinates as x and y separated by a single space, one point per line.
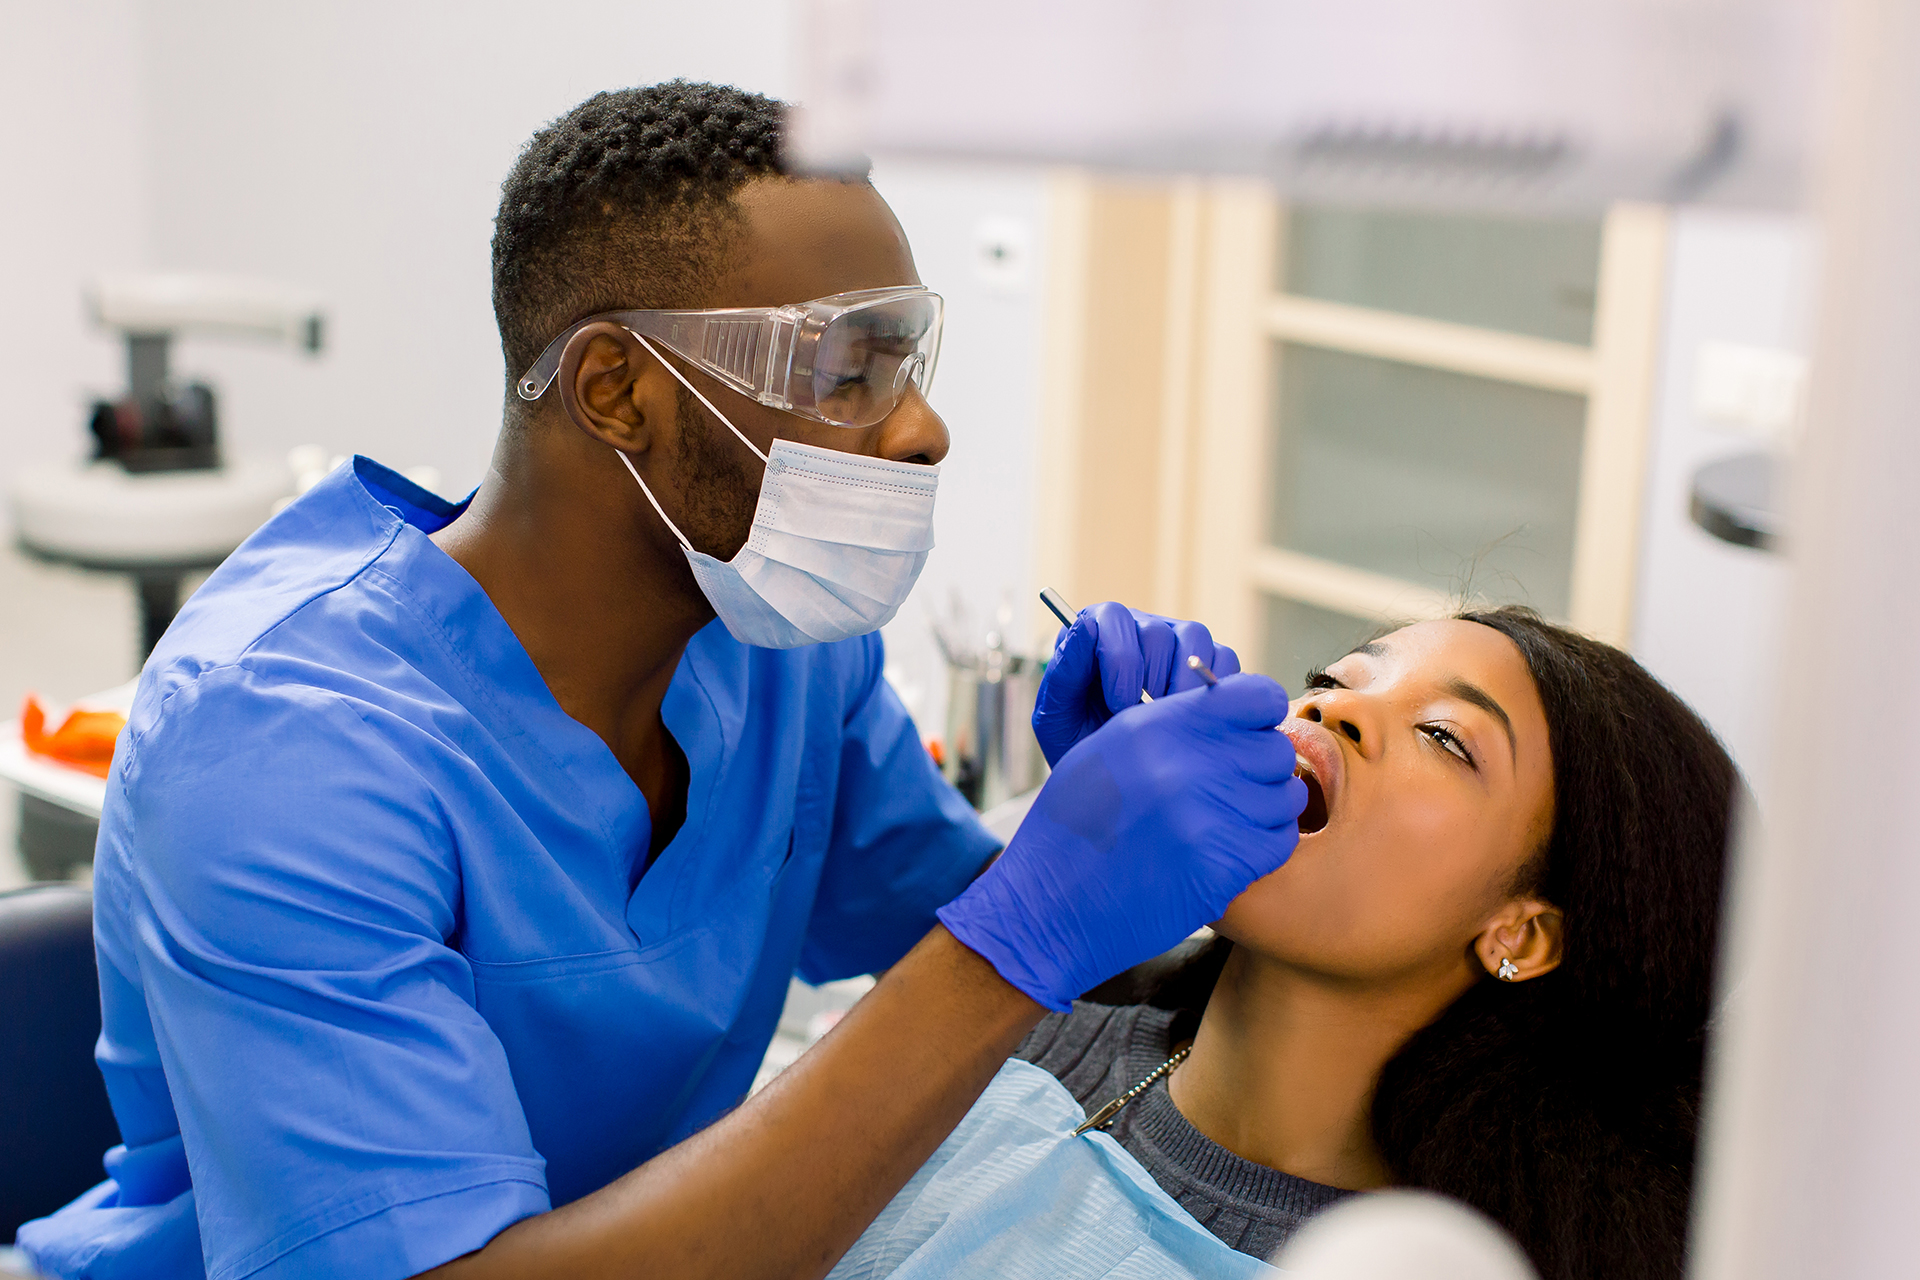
1486 970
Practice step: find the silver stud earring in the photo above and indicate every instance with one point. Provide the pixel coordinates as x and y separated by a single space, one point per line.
1508 969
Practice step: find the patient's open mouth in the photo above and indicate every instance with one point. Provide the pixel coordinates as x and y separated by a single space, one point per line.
1314 816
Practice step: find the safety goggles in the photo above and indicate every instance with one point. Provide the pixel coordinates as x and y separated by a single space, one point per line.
846 360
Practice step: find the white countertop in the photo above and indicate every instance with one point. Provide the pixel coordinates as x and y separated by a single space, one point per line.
49 780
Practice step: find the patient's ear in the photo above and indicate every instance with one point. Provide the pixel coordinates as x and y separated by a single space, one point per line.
1527 933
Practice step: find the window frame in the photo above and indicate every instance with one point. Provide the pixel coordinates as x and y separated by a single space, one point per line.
1190 539
1615 375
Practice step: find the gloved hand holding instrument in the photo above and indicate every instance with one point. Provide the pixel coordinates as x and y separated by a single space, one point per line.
1148 828
1109 658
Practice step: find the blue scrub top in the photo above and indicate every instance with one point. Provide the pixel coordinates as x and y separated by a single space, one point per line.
374 983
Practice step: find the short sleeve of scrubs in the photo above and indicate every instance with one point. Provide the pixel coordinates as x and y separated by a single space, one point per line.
904 842
345 1109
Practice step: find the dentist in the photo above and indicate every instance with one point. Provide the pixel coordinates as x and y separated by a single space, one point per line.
456 857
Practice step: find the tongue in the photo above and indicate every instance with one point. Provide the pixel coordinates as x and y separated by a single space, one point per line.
1314 816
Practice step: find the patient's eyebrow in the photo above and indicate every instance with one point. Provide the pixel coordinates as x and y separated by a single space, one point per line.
1468 692
1371 649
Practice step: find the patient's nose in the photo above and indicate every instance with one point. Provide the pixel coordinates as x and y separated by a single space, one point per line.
1340 711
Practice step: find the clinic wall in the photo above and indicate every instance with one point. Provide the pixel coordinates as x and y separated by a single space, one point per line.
74 202
978 239
1708 614
357 148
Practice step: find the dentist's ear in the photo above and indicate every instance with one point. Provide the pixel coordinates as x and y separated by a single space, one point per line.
1522 941
612 389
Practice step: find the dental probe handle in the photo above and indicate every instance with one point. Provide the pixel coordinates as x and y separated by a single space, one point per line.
1067 613
1061 609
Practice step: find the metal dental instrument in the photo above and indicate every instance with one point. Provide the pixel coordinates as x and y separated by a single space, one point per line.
1067 613
1202 670
1061 609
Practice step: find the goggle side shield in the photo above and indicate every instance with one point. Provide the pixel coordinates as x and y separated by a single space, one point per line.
845 360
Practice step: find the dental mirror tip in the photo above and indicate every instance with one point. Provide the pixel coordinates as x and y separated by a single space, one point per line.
1202 670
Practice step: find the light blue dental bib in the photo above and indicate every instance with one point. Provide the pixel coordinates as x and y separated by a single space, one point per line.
1013 1195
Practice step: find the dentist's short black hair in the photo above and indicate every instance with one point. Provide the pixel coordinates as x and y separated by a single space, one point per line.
624 202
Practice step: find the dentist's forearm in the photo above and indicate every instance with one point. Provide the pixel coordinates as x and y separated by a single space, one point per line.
784 1185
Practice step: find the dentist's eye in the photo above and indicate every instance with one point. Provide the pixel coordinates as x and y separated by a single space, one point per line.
1450 742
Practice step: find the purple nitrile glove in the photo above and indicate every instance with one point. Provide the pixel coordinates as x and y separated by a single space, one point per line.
1145 831
1106 659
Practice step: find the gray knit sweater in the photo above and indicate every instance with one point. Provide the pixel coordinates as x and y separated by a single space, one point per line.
1100 1052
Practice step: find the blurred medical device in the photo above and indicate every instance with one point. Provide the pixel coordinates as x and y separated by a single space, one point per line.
161 424
1492 105
1402 1235
1477 103
158 499
988 753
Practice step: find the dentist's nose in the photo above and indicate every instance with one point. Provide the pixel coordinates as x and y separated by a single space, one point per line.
913 432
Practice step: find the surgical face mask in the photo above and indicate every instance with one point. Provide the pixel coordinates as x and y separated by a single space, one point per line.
837 542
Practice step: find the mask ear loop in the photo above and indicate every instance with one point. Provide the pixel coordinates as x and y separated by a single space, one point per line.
665 364
655 501
621 453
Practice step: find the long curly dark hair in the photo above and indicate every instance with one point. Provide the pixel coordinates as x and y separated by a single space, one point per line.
1566 1108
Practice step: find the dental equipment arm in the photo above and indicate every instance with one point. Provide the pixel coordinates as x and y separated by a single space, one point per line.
1141 835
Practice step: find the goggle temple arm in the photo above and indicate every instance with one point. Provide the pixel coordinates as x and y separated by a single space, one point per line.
534 382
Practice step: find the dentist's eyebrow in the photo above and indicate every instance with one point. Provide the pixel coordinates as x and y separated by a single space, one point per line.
1480 698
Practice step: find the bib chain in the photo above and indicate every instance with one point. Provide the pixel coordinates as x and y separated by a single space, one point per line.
1104 1116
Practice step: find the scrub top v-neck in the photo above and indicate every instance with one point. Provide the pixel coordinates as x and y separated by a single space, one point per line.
374 981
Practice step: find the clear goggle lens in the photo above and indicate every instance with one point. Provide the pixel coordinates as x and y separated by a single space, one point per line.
846 360
866 358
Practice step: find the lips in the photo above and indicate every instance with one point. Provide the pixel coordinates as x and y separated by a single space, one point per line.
1317 763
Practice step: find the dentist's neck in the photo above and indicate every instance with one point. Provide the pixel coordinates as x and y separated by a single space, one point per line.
1284 1066
596 590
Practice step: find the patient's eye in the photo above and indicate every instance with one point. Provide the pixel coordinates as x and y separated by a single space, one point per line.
1449 741
1319 679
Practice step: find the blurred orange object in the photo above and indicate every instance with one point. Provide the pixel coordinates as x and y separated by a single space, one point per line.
84 740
